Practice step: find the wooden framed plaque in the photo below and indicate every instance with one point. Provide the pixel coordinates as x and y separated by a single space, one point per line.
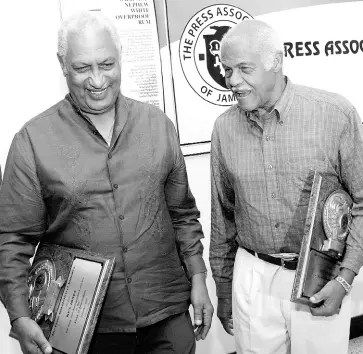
66 289
323 244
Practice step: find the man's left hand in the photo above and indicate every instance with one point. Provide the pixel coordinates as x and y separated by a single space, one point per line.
203 309
328 300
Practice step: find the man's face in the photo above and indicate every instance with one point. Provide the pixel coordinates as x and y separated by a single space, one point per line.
247 77
93 70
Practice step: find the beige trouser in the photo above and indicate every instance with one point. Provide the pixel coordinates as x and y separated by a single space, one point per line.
266 322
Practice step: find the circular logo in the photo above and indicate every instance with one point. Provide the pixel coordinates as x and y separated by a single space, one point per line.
39 280
337 215
199 51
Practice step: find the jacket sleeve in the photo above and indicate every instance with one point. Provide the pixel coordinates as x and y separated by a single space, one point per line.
183 211
22 222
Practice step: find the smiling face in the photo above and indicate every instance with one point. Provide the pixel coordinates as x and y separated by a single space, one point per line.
92 70
245 74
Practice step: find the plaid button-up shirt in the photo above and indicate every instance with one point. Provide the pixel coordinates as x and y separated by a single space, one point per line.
261 175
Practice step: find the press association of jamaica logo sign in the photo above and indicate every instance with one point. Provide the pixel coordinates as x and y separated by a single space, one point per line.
199 51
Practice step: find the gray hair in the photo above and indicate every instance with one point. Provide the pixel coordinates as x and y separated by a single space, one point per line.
82 20
260 38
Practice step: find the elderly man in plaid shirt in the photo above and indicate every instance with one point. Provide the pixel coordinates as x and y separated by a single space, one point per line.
263 151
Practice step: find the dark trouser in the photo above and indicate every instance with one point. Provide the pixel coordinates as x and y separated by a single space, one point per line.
174 335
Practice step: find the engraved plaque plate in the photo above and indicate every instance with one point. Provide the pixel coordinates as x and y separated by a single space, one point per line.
75 305
323 244
66 289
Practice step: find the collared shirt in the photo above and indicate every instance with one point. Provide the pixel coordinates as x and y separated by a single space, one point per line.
262 173
63 184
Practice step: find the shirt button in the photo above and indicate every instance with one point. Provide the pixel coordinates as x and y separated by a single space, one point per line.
273 195
281 122
124 249
129 280
270 167
267 138
94 132
115 186
277 225
121 217
109 156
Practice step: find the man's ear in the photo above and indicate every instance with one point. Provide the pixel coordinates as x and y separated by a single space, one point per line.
279 59
62 64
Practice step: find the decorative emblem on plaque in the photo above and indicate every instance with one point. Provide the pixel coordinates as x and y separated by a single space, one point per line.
336 221
43 289
40 277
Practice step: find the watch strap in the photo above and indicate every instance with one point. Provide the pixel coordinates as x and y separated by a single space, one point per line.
347 287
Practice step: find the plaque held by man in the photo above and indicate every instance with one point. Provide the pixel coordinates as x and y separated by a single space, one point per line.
66 290
323 245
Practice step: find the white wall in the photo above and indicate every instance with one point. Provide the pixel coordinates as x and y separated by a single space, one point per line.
30 73
31 81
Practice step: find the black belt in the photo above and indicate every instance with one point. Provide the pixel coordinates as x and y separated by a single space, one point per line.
287 263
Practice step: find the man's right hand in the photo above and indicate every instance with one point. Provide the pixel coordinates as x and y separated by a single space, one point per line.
31 337
227 324
224 313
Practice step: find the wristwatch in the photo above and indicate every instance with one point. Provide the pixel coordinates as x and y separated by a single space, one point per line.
347 287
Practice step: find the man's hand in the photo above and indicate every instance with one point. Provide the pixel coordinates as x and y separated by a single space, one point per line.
227 324
224 314
203 309
31 337
328 300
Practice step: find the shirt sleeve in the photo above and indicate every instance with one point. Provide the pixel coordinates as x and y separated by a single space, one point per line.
351 171
184 212
223 245
22 222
